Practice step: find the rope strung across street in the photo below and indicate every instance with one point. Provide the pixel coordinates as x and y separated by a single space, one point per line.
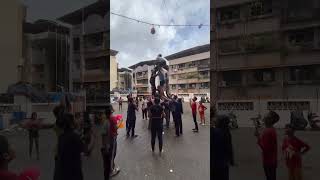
154 24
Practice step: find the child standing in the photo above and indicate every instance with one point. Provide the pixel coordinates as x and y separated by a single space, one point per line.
293 148
193 105
267 141
201 110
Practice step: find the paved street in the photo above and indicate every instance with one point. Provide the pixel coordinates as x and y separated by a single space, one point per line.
185 158
248 156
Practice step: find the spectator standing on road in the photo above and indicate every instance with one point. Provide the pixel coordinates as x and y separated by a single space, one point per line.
149 104
120 103
178 111
157 114
223 151
70 149
113 143
267 141
193 105
166 107
131 118
106 150
201 110
293 148
33 126
144 108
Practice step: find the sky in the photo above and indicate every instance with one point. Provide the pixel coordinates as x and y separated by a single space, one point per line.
134 41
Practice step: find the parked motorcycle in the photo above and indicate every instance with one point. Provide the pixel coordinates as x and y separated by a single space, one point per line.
257 122
233 124
313 120
298 121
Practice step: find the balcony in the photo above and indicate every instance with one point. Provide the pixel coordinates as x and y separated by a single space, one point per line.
141 85
142 77
203 67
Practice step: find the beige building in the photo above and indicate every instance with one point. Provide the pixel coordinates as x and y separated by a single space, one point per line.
266 49
189 72
113 70
91 67
12 15
124 79
141 76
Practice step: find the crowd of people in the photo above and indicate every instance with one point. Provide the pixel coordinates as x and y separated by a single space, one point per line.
292 147
79 135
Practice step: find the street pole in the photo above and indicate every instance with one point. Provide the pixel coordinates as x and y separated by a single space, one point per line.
70 59
56 65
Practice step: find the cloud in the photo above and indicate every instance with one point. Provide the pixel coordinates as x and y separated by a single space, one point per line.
134 41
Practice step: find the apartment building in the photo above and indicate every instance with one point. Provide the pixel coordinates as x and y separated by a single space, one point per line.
266 54
113 70
189 72
141 76
12 15
267 46
46 51
125 79
91 59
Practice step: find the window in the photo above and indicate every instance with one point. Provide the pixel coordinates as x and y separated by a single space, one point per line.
180 66
230 13
204 85
301 37
261 42
173 86
264 75
174 76
232 78
226 46
76 44
93 40
192 86
192 64
305 73
261 7
182 86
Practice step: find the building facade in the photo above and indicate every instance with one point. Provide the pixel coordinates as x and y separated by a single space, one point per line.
91 59
125 79
266 46
189 72
46 51
266 56
13 15
141 76
113 70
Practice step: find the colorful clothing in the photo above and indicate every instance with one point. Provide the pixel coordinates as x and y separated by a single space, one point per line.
268 144
292 147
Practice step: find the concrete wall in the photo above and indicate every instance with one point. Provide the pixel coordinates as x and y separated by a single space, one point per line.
11 16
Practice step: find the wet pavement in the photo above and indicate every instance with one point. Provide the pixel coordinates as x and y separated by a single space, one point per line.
186 157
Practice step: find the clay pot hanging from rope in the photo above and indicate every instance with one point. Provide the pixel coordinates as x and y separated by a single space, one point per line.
153 30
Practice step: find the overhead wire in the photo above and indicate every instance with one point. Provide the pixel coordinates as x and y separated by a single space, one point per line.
156 24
